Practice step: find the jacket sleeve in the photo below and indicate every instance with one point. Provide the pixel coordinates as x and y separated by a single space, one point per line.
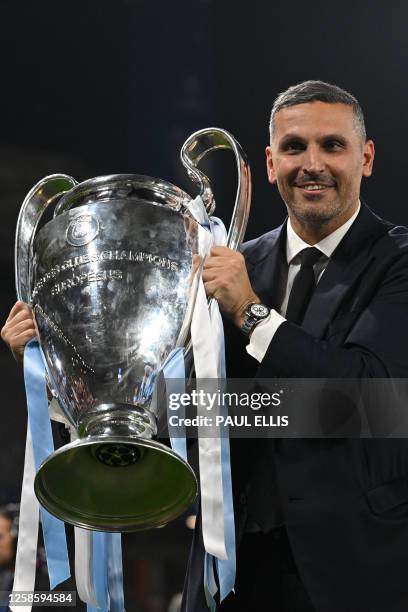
375 345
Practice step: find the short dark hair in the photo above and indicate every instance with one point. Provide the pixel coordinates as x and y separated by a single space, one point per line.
318 91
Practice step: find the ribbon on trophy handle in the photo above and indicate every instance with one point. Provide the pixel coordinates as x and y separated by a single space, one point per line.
209 357
214 456
194 150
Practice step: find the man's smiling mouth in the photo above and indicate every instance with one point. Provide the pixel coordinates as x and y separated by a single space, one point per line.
313 186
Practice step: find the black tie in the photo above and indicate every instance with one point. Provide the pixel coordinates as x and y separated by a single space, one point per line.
303 286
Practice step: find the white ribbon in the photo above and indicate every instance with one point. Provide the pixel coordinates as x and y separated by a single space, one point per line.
209 449
83 559
26 556
83 567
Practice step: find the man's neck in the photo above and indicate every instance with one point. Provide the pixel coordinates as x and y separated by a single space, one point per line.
313 232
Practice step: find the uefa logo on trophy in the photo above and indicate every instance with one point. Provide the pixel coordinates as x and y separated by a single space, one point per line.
112 283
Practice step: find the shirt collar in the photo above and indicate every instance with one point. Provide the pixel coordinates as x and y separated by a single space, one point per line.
295 244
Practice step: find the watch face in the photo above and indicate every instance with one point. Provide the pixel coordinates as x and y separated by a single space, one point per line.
259 311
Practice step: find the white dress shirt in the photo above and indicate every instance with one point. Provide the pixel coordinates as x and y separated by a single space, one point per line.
264 332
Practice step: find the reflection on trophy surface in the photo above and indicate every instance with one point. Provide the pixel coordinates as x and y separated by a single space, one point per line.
112 280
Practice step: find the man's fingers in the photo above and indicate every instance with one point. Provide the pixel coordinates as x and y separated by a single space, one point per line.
216 276
21 315
222 250
211 288
216 262
18 307
10 333
22 326
208 275
24 337
12 329
19 329
223 256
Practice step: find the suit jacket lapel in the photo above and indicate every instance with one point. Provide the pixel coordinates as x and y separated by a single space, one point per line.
348 262
267 267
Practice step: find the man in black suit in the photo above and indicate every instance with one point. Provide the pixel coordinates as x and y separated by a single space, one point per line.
321 524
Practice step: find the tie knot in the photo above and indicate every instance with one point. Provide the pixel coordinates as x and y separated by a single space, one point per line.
310 257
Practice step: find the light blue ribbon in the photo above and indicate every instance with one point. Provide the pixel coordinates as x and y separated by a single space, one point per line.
100 571
107 572
175 374
107 551
115 572
210 586
218 231
226 569
37 403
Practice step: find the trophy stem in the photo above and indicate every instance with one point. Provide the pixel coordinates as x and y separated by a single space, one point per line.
118 420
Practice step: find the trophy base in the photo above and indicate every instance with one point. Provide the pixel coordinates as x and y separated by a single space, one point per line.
116 484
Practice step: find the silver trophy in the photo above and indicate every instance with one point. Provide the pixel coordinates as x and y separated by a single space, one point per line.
112 280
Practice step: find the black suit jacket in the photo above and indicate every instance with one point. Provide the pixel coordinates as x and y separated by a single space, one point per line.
345 501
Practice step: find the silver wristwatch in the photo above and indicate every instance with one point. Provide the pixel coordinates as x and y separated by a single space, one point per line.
254 314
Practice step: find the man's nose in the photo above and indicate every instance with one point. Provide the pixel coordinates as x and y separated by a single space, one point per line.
313 160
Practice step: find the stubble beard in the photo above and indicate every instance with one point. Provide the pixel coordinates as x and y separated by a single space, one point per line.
313 213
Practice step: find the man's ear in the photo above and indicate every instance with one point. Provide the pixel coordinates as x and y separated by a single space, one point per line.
270 169
368 157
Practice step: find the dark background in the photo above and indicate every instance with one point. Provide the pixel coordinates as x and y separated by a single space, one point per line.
98 87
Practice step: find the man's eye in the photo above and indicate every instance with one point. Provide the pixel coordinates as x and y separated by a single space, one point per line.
294 146
333 145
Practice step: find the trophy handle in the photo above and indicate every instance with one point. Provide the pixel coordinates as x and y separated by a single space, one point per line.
194 149
35 203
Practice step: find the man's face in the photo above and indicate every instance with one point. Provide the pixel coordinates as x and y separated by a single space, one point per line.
6 541
317 158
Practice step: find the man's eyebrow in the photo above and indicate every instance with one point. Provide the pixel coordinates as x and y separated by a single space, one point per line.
293 136
337 137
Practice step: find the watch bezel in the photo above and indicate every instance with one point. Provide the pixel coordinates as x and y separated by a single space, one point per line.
255 314
251 319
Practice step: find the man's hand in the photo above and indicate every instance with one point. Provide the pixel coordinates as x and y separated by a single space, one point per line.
226 279
18 329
